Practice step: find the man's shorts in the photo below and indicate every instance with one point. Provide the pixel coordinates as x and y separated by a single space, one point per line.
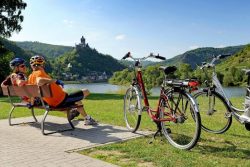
71 98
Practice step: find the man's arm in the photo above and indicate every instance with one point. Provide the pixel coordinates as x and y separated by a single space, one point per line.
42 81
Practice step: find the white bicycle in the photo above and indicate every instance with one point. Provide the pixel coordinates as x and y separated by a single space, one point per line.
214 103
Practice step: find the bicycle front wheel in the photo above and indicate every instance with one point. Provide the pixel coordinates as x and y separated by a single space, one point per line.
184 130
132 109
214 111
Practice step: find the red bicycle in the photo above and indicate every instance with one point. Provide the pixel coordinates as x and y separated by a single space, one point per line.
176 115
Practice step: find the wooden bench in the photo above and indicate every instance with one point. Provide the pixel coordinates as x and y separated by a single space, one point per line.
35 91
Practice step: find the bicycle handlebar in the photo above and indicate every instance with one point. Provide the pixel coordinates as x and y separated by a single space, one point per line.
211 64
126 56
160 57
150 55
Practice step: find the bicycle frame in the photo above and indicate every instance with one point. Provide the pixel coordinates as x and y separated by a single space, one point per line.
217 84
150 111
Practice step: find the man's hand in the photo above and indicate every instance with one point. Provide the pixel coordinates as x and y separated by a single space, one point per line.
60 82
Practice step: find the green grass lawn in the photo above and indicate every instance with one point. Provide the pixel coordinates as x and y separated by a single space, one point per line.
229 149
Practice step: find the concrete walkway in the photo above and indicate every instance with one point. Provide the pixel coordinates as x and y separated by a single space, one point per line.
25 146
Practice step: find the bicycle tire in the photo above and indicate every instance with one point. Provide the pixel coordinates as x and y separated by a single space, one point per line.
132 109
214 120
185 132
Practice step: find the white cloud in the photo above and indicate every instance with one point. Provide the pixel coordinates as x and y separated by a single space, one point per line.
68 23
193 47
120 37
221 46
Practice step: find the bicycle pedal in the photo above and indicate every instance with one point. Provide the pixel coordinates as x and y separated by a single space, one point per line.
228 115
145 108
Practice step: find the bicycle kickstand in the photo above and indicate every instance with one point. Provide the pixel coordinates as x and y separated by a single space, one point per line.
157 132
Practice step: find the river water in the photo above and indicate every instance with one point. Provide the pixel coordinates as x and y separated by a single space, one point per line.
109 88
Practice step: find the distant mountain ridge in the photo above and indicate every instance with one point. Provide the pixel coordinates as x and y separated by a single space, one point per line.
197 56
48 50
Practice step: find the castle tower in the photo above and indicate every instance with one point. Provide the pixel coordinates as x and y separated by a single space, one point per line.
83 41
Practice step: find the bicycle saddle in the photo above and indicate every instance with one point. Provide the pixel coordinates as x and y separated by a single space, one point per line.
168 70
247 71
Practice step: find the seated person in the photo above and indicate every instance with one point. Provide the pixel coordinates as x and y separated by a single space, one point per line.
18 77
60 97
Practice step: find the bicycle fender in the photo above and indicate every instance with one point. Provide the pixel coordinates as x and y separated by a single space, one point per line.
139 96
193 101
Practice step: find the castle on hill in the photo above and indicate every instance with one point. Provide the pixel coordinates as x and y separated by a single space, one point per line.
82 44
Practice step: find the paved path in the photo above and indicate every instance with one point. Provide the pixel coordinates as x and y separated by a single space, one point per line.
25 146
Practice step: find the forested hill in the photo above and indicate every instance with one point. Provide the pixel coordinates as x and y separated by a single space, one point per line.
84 61
16 51
197 56
231 68
48 50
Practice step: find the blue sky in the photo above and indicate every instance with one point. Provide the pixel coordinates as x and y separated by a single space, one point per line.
115 27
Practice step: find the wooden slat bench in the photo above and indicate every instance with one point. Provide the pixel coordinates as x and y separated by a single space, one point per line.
35 91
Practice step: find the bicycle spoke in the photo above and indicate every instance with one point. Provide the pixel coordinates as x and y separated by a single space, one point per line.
185 130
132 110
213 111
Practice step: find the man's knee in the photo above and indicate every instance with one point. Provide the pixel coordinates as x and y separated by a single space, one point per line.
85 92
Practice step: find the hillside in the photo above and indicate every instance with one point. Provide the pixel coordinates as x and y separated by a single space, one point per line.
239 60
197 56
230 69
86 61
16 50
47 50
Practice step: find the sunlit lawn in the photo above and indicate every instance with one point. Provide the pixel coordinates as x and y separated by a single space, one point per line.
229 149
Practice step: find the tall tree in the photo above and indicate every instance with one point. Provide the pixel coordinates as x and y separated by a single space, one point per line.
10 16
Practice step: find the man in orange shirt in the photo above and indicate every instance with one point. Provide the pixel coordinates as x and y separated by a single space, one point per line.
59 97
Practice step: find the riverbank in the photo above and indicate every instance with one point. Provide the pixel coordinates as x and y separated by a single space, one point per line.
105 87
84 82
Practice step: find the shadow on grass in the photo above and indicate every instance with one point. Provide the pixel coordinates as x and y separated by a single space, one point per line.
101 96
226 149
6 99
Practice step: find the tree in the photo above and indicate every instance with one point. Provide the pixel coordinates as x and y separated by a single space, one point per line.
184 71
10 16
5 57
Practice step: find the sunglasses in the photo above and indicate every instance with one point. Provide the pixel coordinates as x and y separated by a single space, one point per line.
22 65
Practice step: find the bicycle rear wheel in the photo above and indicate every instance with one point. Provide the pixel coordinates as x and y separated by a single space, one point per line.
132 109
184 132
214 111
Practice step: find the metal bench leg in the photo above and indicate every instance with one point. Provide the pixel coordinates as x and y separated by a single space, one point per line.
10 114
43 124
32 112
71 124
43 120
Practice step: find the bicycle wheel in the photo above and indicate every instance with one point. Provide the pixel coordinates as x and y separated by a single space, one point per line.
214 111
132 109
184 132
